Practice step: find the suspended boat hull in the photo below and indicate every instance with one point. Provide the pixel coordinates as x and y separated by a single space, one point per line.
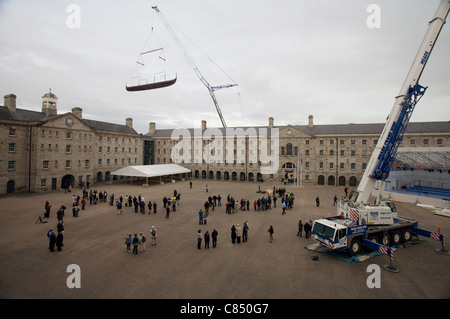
151 86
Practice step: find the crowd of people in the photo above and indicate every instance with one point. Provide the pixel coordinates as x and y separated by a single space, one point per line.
239 234
138 242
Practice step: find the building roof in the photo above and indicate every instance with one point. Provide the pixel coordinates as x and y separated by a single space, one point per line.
151 170
339 129
34 116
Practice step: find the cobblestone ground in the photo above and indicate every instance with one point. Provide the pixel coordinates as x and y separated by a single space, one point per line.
175 268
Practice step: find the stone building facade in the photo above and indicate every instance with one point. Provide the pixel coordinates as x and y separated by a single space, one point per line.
307 154
48 151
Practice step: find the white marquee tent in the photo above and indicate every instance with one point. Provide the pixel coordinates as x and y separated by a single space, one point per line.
151 170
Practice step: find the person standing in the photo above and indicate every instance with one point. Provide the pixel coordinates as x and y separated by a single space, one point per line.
307 229
233 234
300 228
245 232
128 242
207 240
238 233
199 239
167 211
317 201
60 213
119 207
47 209
59 241
60 227
214 235
200 217
135 244
334 200
52 239
154 207
142 241
270 230
154 234
206 187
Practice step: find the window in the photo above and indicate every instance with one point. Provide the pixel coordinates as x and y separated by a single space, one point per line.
425 141
68 148
69 135
86 163
99 161
439 141
45 164
289 149
12 132
11 147
99 149
43 182
68 164
11 165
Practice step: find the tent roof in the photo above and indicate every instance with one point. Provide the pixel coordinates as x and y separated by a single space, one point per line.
151 170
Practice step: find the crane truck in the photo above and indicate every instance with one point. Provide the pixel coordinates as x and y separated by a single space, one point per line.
378 226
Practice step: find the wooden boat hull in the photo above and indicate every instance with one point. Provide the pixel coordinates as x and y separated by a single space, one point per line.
151 86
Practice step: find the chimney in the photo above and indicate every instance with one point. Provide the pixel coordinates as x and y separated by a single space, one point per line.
152 127
78 112
10 102
270 122
129 122
310 121
203 125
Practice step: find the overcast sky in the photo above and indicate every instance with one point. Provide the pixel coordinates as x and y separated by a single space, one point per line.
290 59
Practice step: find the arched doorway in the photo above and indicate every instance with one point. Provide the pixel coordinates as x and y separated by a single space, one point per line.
242 177
352 182
341 180
250 177
99 177
10 185
211 175
196 173
226 176
234 176
259 177
218 175
204 174
67 180
321 180
107 176
331 180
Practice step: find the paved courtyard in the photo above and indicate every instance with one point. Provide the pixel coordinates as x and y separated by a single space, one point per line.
175 268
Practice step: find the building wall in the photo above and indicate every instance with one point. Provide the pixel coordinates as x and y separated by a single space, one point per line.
323 159
64 149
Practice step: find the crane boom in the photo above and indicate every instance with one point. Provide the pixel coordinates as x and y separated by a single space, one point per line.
385 151
210 88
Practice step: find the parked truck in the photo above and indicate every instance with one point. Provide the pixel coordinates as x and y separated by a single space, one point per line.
378 226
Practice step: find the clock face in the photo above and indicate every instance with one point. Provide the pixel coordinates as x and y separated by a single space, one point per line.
69 121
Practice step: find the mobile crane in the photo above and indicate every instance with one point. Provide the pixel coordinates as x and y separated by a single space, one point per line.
210 88
377 226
